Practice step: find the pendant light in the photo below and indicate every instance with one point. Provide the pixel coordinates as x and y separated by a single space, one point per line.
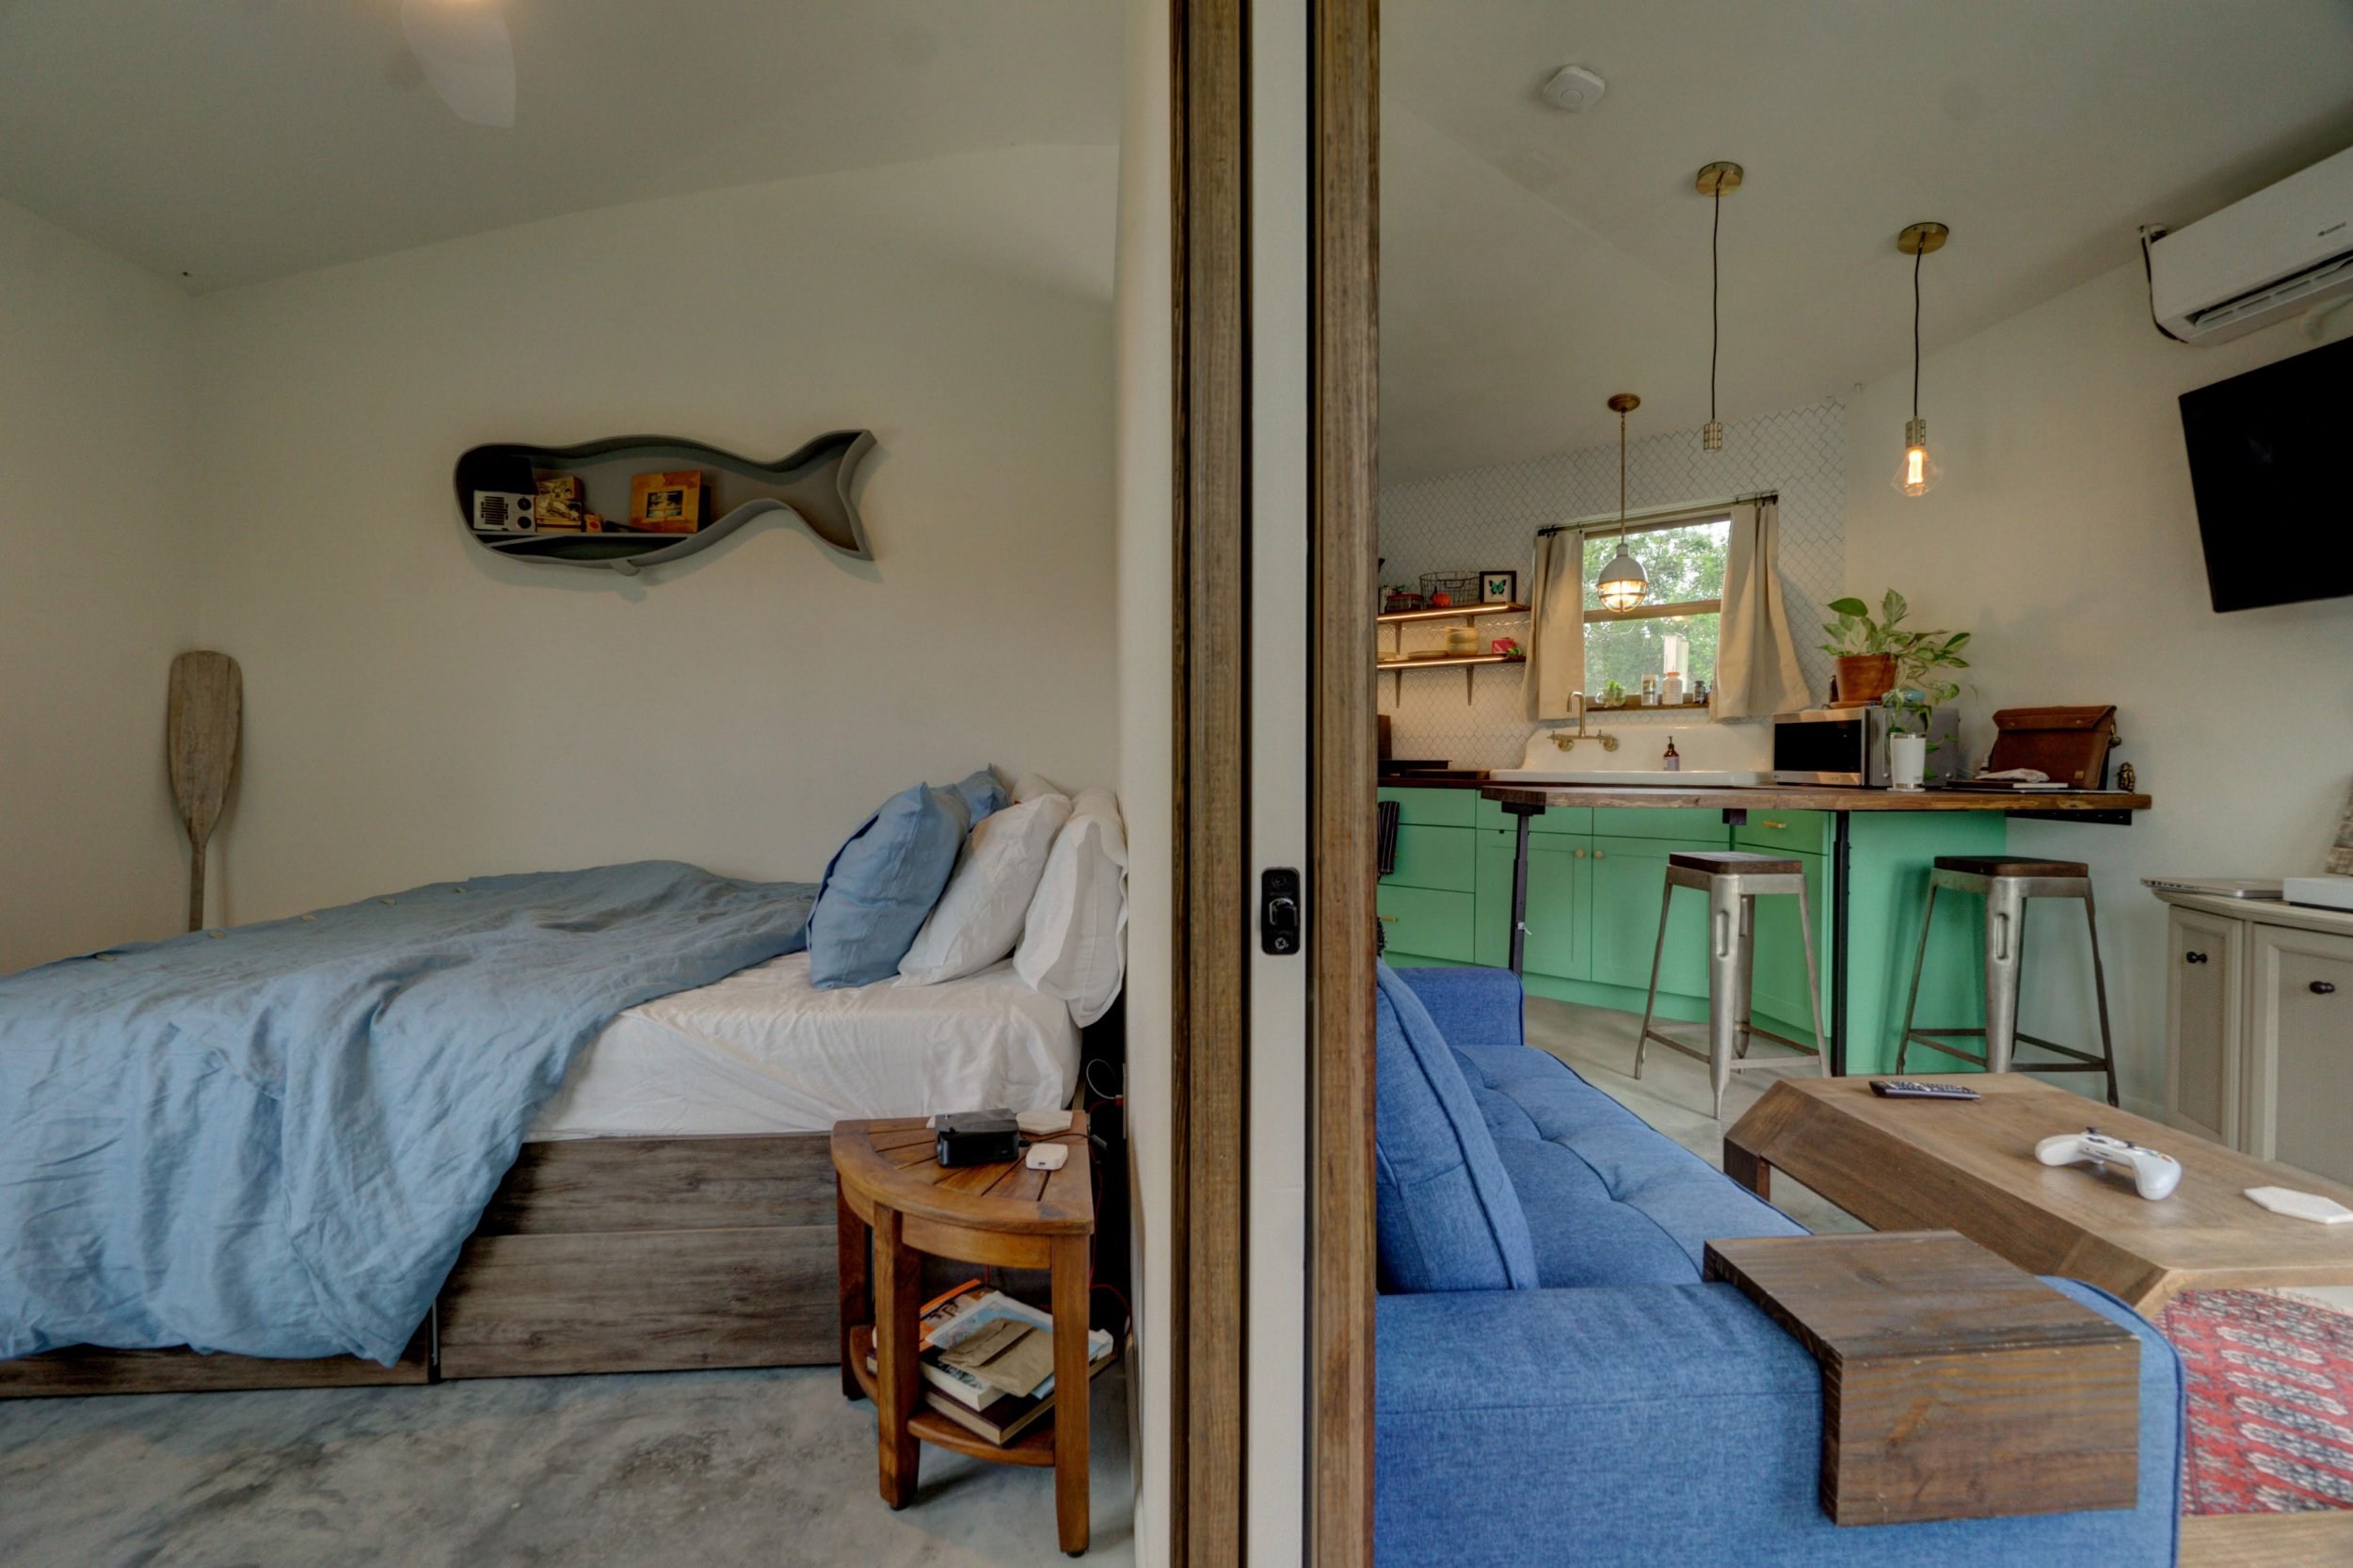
1622 583
1917 470
1713 181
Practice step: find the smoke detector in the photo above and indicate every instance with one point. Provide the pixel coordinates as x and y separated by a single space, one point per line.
1573 90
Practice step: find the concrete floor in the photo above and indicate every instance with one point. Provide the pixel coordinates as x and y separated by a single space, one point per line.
745 1469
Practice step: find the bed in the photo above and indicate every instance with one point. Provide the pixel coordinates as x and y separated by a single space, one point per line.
671 1204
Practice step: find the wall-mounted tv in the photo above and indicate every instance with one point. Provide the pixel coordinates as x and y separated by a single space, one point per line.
2272 462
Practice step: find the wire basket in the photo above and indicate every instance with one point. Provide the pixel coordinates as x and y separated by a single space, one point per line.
1461 587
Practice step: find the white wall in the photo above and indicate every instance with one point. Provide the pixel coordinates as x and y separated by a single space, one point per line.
96 492
1146 472
2065 536
416 709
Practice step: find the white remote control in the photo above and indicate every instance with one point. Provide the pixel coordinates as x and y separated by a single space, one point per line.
2154 1175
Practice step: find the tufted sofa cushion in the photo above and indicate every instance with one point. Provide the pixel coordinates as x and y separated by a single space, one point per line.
1447 1218
1608 1200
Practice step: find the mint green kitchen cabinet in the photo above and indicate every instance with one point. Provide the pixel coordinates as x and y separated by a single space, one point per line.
1559 898
1630 879
1597 874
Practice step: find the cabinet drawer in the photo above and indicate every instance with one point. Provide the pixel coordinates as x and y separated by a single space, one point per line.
1440 858
1807 832
1557 819
1423 922
1696 822
2205 960
1433 808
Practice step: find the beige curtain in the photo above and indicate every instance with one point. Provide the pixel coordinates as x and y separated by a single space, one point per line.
1556 636
1756 660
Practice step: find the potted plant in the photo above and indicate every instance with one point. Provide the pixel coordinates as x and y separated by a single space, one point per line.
1877 657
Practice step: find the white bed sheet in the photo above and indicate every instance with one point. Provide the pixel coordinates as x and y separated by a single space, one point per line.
764 1052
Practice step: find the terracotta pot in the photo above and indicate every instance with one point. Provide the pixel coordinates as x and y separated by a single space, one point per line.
1864 678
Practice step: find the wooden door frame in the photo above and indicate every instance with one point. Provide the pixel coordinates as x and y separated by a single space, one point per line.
1214 908
1215 905
1342 570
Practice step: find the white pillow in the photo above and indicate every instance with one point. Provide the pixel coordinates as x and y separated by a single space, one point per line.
1071 945
978 918
1032 786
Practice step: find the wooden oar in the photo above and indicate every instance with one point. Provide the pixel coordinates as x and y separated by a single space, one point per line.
207 711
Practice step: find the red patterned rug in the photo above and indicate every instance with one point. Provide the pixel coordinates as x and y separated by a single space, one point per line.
2270 1402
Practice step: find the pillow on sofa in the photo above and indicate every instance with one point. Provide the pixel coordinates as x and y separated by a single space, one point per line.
1447 1217
881 883
977 919
1070 940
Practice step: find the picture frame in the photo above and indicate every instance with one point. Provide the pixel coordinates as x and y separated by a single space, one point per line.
666 503
1498 588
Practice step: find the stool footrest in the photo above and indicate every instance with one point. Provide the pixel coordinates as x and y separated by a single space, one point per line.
1700 1052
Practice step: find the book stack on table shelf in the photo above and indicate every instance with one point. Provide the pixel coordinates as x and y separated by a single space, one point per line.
988 1361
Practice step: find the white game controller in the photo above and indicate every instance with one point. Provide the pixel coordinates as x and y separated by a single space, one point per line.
2155 1175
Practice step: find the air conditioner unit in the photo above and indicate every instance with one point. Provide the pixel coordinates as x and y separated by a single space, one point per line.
2285 248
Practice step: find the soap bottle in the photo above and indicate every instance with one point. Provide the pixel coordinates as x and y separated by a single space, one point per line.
1673 761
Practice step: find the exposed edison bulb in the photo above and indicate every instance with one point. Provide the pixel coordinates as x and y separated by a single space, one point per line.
1919 471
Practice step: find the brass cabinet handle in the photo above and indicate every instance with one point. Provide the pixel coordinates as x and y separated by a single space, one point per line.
1580 855
1601 854
2324 988
1780 827
1389 918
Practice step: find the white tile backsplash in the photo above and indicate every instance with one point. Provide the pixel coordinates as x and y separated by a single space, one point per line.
1488 518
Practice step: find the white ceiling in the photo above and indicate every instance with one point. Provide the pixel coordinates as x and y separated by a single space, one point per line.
1535 261
230 140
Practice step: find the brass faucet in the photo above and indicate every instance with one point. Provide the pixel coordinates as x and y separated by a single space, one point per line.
1568 741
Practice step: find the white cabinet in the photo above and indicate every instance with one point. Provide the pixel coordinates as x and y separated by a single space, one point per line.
2259 1029
2300 1055
2204 1014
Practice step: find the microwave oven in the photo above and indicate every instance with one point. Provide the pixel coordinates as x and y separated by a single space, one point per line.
1848 746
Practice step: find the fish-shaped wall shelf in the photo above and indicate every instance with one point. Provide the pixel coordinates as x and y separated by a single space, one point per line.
813 483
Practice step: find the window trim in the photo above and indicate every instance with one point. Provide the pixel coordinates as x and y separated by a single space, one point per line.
1656 522
1656 612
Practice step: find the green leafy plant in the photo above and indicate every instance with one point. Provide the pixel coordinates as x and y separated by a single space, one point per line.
1612 694
1919 655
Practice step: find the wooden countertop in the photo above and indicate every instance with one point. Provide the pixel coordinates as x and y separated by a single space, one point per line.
1804 797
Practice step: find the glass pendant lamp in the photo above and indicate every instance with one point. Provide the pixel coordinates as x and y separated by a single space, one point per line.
1917 471
1622 583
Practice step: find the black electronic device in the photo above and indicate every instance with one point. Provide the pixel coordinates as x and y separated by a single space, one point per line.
2266 463
1278 910
1913 1089
978 1137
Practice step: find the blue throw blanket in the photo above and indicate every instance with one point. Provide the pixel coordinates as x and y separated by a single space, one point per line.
274 1139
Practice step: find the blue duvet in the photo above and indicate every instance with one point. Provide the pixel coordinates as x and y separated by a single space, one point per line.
274 1141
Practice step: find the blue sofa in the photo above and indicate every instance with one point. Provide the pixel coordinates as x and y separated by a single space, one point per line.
1556 1386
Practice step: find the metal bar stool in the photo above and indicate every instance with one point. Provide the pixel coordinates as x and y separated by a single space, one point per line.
1732 880
2006 885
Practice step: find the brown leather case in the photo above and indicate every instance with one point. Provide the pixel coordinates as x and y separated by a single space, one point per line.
2070 745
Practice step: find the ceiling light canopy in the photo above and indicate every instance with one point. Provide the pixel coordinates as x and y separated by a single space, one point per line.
1622 583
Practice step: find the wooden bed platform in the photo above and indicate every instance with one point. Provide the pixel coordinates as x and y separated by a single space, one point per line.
604 1255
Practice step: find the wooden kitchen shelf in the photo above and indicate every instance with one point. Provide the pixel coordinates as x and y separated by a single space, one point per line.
1467 663
1467 611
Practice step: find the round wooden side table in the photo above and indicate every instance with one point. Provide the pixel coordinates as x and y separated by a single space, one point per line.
893 1201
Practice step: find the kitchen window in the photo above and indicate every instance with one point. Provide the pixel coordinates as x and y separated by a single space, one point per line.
1675 627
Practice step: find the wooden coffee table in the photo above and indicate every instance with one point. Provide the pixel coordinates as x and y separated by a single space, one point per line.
1907 1164
891 1189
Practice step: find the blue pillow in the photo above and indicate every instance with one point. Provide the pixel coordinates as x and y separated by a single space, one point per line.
982 796
881 883
1447 1216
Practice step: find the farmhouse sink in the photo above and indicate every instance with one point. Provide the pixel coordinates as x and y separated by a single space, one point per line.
1689 778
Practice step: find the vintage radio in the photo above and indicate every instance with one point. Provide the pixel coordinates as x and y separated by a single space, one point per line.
505 512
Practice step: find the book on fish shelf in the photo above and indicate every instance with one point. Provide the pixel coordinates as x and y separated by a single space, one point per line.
966 1314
